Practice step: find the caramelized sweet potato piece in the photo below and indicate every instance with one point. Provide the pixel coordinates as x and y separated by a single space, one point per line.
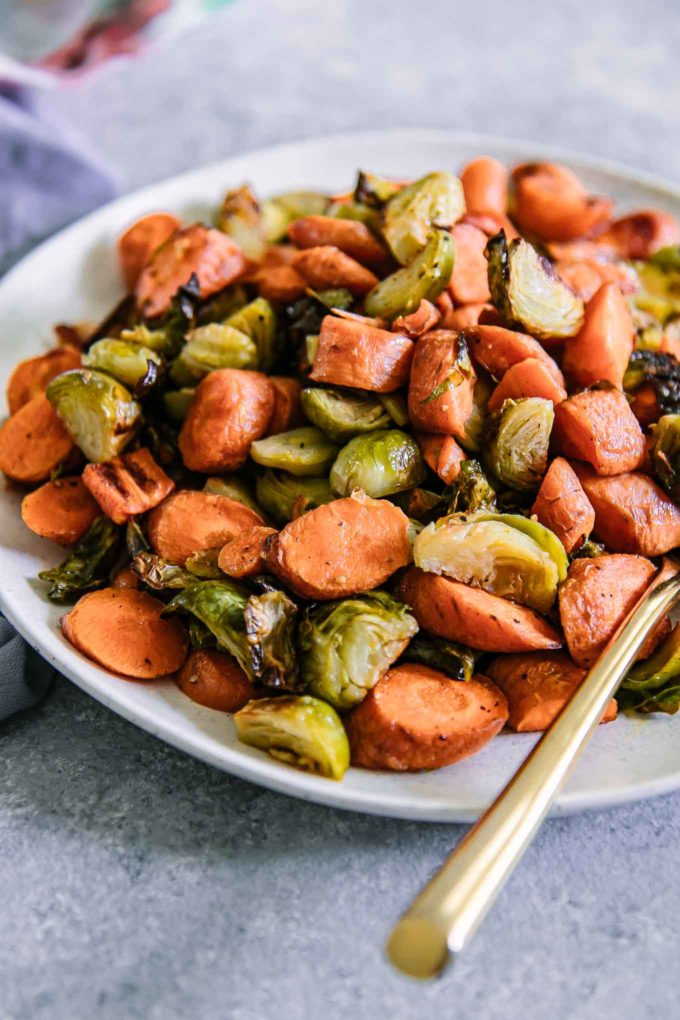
61 511
125 578
472 616
214 679
562 505
123 630
30 378
417 718
230 410
600 350
213 257
137 244
471 315
599 427
280 283
350 236
188 522
586 276
425 318
33 442
128 485
496 349
441 387
538 686
342 548
469 280
442 454
243 555
326 267
351 353
640 234
530 378
287 413
485 186
550 202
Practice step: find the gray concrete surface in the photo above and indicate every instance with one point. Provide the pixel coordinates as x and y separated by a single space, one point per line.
138 883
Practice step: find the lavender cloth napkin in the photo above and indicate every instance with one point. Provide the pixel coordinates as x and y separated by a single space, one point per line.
48 177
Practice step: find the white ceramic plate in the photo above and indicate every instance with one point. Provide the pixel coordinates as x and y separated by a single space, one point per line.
74 276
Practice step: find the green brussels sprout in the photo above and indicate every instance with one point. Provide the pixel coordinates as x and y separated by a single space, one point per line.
589 550
278 213
223 304
98 412
456 661
471 490
257 320
343 414
411 215
425 278
665 453
203 564
88 566
239 216
299 730
177 402
270 630
220 605
381 463
355 211
199 635
131 364
153 339
159 574
654 684
473 438
335 297
347 646
396 407
518 452
374 191
212 347
659 277
305 452
284 496
504 554
527 292
661 371
234 488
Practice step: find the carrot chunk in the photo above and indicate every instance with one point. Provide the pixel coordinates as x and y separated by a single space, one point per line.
287 413
128 485
496 349
442 454
529 378
188 522
600 350
562 505
470 315
640 234
33 442
61 511
469 281
550 202
425 318
280 283
244 555
137 244
214 679
586 276
30 378
485 185
441 387
599 427
350 236
327 267
351 353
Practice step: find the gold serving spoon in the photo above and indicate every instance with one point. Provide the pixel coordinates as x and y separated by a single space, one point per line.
446 914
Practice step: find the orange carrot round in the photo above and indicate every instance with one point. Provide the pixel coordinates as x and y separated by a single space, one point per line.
215 680
62 510
33 442
137 244
30 378
188 522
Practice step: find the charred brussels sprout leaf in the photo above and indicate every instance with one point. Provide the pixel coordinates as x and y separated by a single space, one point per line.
97 411
666 453
158 574
518 452
471 490
239 216
132 364
279 212
527 292
381 463
305 452
417 209
270 629
87 567
301 731
135 540
199 635
456 661
661 371
342 414
177 402
180 317
424 278
374 191
347 646
589 550
654 685
285 496
220 605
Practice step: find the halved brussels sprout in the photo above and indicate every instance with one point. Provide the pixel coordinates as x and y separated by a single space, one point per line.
527 292
285 496
158 574
471 490
258 321
98 413
278 212
425 278
239 216
661 371
665 453
457 661
342 414
504 554
355 211
396 407
411 215
374 191
518 452
305 452
234 488
472 440
131 364
334 297
659 278
177 402
87 567
155 339
270 629
381 463
301 731
347 646
212 347
654 685
220 605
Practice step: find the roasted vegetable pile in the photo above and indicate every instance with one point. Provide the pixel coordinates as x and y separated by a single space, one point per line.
378 472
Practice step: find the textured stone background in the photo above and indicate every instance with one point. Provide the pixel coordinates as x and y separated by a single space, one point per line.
138 883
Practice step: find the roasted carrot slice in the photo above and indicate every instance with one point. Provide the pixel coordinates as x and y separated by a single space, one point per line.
205 252
595 599
214 679
61 511
538 686
632 513
530 378
549 201
496 349
425 318
33 442
440 392
472 616
188 522
128 485
471 315
351 353
485 186
417 718
640 234
125 578
599 427
327 267
342 548
442 454
469 280
230 410
280 283
287 413
30 378
562 505
491 224
350 236
123 630
137 244
600 350
586 276
243 556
